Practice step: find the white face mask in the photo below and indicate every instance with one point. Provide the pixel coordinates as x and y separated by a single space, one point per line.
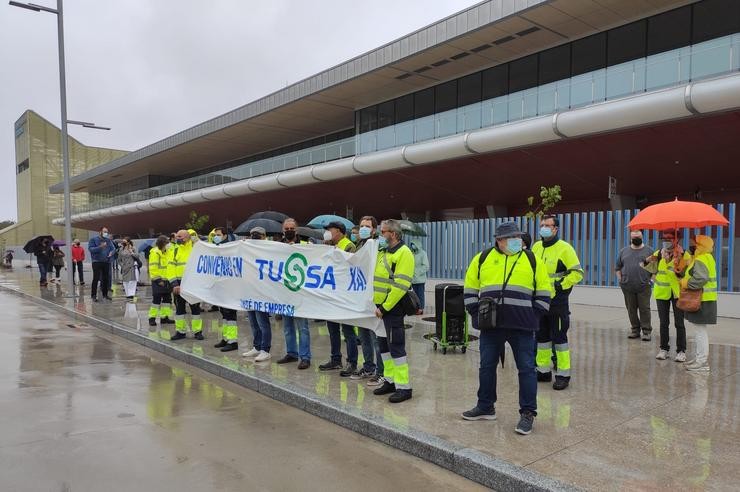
327 236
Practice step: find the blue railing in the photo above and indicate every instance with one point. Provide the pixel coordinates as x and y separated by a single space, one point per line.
596 236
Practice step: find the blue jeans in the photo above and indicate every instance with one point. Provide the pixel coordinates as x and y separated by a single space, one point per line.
335 341
43 271
370 351
303 351
261 330
491 346
419 289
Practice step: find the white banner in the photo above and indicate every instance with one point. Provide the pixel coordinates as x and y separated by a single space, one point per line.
303 280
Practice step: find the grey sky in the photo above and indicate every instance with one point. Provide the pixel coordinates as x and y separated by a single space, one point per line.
150 68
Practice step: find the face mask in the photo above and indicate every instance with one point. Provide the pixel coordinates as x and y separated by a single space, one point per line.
179 241
105 234
217 239
514 245
382 242
289 235
255 235
692 249
365 232
327 236
414 248
637 241
668 245
545 232
353 237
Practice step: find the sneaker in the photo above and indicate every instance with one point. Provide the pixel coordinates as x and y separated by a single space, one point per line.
331 365
166 321
646 337
362 374
376 380
680 357
152 322
561 382
178 336
253 352
230 346
476 413
544 377
287 359
262 356
108 297
304 364
82 283
526 421
662 354
386 389
400 395
697 367
198 335
220 344
348 371
634 334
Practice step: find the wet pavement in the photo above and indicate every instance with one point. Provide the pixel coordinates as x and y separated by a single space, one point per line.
627 422
86 411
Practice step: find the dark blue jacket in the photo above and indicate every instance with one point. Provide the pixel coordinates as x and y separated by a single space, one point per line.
97 252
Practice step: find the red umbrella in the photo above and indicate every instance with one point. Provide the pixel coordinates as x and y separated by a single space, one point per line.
677 214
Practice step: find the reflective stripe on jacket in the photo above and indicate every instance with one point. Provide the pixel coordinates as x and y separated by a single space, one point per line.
393 273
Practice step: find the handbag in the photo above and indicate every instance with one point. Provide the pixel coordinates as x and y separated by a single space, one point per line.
488 307
689 300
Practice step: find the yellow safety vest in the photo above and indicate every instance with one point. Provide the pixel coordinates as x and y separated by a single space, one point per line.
158 263
710 288
393 273
562 263
180 255
346 245
666 281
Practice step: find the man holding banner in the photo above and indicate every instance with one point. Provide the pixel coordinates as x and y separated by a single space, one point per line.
175 272
393 273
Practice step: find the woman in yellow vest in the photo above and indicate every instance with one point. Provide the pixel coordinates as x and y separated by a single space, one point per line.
702 274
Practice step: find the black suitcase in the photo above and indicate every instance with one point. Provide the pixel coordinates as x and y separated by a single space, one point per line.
450 314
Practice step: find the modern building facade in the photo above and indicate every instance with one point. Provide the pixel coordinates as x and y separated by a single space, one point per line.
38 165
621 103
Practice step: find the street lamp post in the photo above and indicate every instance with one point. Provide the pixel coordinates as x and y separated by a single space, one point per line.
59 11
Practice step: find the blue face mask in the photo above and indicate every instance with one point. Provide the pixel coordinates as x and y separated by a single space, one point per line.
382 242
353 237
668 245
545 232
514 245
105 235
217 239
365 232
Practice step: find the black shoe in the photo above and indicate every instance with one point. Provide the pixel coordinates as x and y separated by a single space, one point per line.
222 343
561 382
178 336
82 283
634 334
400 395
476 413
198 335
544 377
304 364
94 299
331 365
348 371
107 297
287 359
152 322
130 298
386 389
526 421
166 321
230 346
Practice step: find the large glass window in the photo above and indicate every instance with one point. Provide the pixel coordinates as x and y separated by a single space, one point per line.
669 30
627 43
369 119
469 89
405 108
523 73
589 54
445 96
386 114
715 18
424 103
554 64
495 81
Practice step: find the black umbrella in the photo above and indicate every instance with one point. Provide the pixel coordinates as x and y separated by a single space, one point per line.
312 233
270 215
270 226
33 244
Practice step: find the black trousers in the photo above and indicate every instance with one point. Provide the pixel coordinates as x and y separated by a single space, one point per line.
101 273
664 314
181 303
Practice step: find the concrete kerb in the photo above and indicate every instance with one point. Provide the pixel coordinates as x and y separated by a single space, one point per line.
469 463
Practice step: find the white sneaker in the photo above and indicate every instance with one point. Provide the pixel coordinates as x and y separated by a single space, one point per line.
252 353
662 355
680 357
263 356
696 367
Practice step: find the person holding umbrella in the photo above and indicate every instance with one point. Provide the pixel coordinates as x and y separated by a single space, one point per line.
43 254
57 261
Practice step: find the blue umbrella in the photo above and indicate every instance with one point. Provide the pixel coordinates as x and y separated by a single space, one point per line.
145 245
321 221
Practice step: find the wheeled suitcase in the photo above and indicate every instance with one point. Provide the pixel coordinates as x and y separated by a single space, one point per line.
450 318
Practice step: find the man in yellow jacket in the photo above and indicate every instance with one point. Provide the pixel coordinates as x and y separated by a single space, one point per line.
180 256
159 260
392 280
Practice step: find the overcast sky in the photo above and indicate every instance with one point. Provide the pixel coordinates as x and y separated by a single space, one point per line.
150 68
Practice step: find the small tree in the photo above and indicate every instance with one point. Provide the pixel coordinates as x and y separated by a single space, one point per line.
197 222
549 197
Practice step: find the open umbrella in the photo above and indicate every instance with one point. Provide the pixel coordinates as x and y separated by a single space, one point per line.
270 226
677 214
412 229
320 221
31 245
308 232
146 245
58 242
269 214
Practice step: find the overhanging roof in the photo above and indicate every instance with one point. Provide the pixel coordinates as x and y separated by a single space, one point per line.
326 102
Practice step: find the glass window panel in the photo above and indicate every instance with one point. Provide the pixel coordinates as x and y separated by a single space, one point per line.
332 151
446 123
711 58
405 108
620 80
669 30
523 73
554 64
367 142
424 129
405 133
424 103
546 99
469 89
387 138
501 110
469 117
445 96
581 90
662 70
516 106
368 119
627 43
715 18
386 114
563 95
495 81
588 54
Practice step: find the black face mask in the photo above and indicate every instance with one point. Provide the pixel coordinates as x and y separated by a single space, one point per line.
637 241
289 235
692 249
256 235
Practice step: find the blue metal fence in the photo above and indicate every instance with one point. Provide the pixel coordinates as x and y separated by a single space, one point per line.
596 236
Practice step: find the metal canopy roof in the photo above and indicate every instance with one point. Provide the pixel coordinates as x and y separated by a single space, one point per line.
486 34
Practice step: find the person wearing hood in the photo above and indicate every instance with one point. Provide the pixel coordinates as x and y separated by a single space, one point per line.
701 274
421 267
229 329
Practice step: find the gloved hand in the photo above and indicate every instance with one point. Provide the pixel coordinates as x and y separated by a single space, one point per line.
558 287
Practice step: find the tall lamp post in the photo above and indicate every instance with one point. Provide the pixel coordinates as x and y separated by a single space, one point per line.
59 11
